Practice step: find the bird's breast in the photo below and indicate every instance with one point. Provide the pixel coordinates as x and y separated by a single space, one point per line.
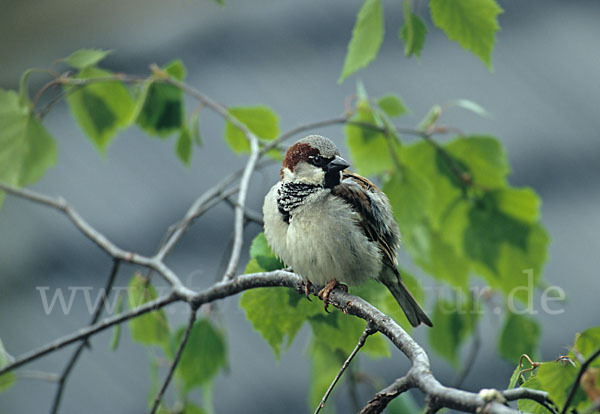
324 241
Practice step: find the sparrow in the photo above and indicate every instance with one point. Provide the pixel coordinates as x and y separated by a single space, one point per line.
333 226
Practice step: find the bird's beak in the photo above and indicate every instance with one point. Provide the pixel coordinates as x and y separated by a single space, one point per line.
337 164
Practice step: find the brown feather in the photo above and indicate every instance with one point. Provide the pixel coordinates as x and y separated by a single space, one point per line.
360 201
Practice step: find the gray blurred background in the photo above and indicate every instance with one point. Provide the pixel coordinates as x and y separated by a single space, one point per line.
544 95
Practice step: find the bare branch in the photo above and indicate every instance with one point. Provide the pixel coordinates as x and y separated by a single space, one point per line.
75 356
176 359
247 174
361 342
420 376
84 333
98 238
202 204
541 397
378 403
238 239
250 215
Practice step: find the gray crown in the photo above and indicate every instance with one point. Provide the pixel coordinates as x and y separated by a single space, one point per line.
325 146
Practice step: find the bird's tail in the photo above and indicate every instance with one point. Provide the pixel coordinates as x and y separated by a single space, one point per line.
391 278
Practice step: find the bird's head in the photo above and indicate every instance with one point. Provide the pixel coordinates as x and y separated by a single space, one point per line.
313 160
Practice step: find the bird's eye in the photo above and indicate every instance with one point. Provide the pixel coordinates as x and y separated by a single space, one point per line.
317 159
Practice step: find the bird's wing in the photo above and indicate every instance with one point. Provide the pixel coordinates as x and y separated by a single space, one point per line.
374 208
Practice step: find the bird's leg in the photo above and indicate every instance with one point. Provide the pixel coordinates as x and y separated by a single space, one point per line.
307 285
326 291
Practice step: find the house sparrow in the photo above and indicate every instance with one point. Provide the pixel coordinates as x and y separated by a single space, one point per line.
331 225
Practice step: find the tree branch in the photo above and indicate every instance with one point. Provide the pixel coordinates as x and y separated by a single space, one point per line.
378 403
99 239
84 333
361 342
246 175
418 376
75 356
176 359
239 209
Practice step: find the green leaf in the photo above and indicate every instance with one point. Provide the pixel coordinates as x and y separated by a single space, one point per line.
430 118
367 37
519 203
410 195
505 250
191 408
9 378
277 314
530 406
452 324
447 224
483 156
413 32
404 403
470 106
424 169
260 120
415 191
24 86
27 150
184 146
203 356
369 148
520 335
260 250
100 108
472 23
195 129
160 110
151 328
84 58
587 342
325 366
516 379
341 332
392 105
557 378
116 338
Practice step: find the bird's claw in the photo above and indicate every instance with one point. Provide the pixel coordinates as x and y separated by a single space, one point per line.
326 292
307 286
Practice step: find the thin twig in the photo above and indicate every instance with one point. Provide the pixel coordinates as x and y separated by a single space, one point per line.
246 175
98 238
202 204
84 333
75 356
470 362
250 215
38 375
176 359
369 330
575 385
